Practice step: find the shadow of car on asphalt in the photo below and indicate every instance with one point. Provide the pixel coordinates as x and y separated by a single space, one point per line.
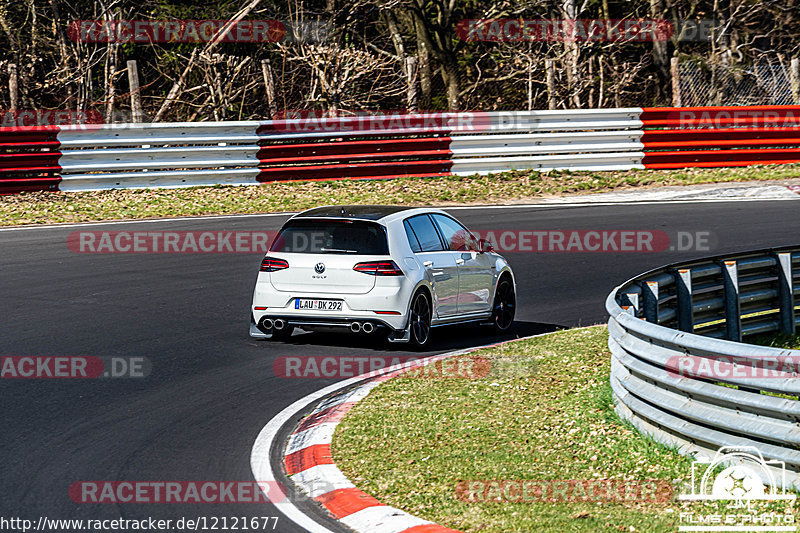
445 338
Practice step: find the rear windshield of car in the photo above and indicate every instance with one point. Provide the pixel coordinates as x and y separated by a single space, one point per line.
331 237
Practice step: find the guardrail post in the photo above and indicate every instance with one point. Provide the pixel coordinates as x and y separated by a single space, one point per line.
630 303
650 297
733 318
683 283
786 293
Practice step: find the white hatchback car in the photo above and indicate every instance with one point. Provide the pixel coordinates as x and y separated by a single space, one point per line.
368 268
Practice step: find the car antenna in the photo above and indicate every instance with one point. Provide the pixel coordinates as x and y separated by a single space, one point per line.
344 211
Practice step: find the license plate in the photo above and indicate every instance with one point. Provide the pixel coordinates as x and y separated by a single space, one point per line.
318 305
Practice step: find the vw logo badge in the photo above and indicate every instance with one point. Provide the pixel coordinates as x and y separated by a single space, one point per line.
319 268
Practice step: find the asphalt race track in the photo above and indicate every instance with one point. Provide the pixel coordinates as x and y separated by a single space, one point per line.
212 388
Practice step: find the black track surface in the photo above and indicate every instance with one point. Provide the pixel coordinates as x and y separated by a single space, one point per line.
212 388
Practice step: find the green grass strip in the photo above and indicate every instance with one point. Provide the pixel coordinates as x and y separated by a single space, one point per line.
544 412
509 187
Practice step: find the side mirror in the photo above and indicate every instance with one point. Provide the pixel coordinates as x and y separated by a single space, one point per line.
485 246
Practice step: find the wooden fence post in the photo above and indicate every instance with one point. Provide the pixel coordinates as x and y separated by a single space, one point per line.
137 114
13 86
675 71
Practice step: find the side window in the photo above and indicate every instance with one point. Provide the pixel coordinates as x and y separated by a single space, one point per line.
412 239
426 234
457 237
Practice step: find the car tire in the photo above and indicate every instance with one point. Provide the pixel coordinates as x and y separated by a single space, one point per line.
419 321
504 306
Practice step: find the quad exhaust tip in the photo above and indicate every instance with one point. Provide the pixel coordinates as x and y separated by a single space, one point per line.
278 324
366 327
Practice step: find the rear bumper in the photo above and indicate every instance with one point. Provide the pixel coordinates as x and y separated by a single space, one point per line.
267 302
315 322
327 321
255 332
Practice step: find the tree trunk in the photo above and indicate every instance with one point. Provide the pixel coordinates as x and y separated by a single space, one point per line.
438 43
660 54
110 74
601 67
397 39
425 73
408 64
450 74
411 94
529 59
572 53
550 69
111 93
63 50
32 59
269 86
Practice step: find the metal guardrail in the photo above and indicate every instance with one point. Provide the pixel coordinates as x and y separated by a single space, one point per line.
91 157
679 371
97 156
720 136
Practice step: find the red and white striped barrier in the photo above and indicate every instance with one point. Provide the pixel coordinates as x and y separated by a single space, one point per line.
305 457
96 157
720 136
309 463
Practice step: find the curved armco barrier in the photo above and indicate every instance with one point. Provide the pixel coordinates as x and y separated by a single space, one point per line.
679 371
93 157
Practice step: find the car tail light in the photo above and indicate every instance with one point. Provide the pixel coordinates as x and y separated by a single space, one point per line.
379 268
270 264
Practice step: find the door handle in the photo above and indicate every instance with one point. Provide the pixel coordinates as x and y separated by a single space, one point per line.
427 263
459 261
